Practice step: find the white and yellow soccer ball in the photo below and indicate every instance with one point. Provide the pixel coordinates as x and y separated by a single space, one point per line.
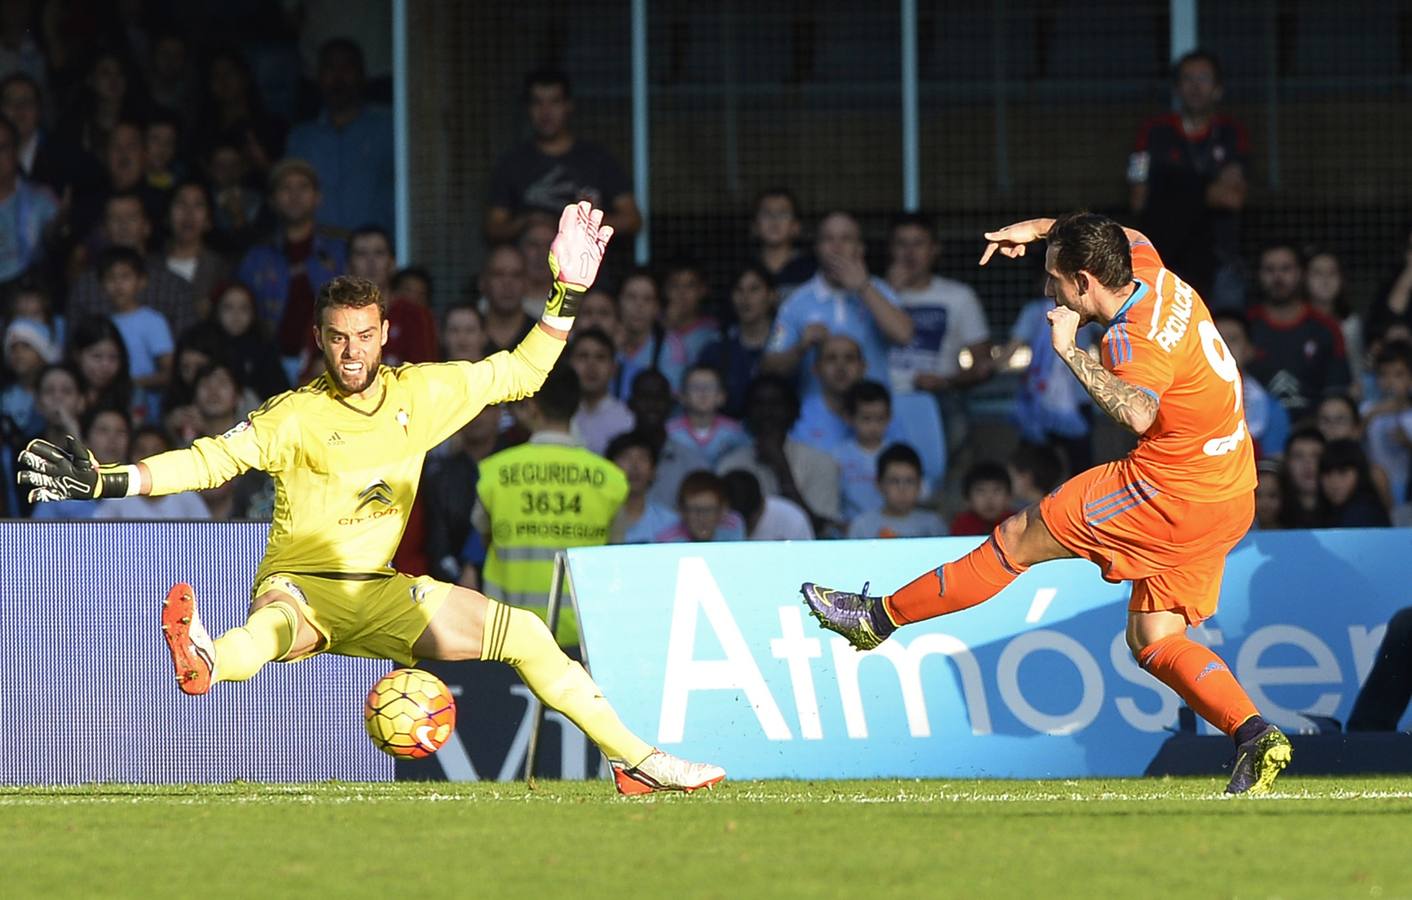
409 713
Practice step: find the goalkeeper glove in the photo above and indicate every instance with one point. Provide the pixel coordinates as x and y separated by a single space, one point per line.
71 473
574 258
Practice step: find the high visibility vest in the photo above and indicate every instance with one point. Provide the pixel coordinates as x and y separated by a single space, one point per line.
542 498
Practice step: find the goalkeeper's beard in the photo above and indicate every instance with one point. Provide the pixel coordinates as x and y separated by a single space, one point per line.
340 378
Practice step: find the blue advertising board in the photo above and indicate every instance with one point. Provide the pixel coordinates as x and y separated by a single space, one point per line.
708 651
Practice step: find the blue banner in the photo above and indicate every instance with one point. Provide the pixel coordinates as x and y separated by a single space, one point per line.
707 650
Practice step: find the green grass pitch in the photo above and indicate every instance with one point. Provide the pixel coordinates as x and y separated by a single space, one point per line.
1314 837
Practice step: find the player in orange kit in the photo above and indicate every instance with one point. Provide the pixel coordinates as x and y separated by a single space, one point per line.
1164 517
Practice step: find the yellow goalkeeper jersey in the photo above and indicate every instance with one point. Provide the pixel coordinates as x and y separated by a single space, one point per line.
346 472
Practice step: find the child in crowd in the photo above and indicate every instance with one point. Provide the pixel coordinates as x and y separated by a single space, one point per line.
701 424
1035 470
685 290
98 352
988 499
869 410
640 518
1388 419
705 512
899 476
146 334
29 347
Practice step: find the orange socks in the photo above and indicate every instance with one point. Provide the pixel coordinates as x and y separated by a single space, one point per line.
972 579
1200 678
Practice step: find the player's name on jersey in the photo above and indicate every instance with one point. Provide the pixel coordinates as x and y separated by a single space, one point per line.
551 473
1175 325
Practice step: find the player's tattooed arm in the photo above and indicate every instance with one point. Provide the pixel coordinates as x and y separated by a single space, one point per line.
1131 407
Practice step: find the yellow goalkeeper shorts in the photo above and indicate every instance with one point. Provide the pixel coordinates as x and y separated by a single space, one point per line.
378 617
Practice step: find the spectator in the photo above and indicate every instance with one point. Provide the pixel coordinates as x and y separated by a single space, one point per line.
705 513
640 517
600 416
1347 498
645 343
533 242
455 550
26 209
701 425
685 290
783 465
598 309
463 333
946 315
126 224
244 342
1324 285
1264 416
776 229
823 417
173 80
107 432
109 95
1035 470
1051 407
29 347
239 216
841 299
287 271
1388 421
125 172
161 144
900 483
651 403
555 168
97 350
502 286
1383 699
59 400
1268 495
44 158
187 256
544 496
350 143
411 328
1299 479
20 52
236 115
149 440
1299 354
1394 298
414 283
1187 177
868 408
988 499
145 333
736 354
219 398
766 518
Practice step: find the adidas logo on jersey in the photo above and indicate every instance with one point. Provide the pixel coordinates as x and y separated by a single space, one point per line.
335 440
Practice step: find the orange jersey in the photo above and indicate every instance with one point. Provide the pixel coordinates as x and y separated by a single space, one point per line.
1164 342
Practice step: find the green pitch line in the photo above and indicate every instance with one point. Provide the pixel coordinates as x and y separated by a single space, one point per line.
1322 837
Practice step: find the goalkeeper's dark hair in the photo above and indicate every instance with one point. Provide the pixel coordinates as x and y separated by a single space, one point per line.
1088 242
349 292
558 397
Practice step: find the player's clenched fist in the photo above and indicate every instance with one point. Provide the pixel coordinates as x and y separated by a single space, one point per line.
68 473
574 258
1063 326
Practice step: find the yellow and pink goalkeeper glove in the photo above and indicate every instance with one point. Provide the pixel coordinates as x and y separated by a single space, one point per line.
574 258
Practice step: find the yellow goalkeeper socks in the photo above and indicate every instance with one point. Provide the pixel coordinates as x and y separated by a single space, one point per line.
518 637
267 635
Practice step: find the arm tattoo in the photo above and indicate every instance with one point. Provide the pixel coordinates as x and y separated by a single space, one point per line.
1129 406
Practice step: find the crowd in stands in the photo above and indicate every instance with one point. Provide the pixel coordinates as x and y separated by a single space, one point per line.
163 237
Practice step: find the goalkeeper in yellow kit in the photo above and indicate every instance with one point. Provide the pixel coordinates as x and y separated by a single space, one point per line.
346 453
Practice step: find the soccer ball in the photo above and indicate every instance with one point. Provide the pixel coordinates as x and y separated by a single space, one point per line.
409 713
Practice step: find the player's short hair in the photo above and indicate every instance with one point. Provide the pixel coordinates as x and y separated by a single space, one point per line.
630 439
702 481
350 292
985 472
743 493
1041 462
1394 352
113 257
899 454
1085 241
592 336
1198 55
558 398
915 220
548 76
865 391
370 230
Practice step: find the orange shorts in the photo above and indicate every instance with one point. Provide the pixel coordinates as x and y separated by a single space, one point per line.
1173 551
